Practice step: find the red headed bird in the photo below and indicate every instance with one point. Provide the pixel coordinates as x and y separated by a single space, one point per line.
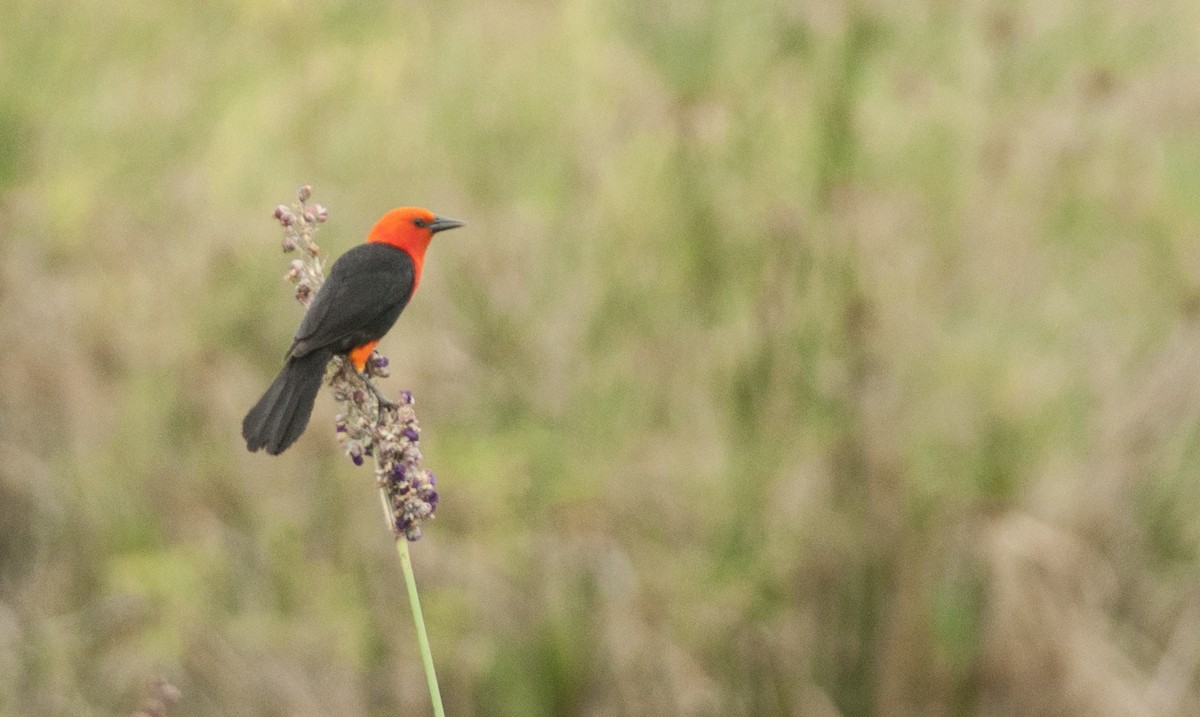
362 297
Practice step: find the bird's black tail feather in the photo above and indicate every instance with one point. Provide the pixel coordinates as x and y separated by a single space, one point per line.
282 413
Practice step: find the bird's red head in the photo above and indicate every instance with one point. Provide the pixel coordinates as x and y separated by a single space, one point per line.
410 229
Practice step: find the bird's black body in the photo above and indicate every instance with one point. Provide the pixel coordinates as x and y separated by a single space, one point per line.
362 297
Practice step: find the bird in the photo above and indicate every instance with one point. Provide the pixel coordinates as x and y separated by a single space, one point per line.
366 289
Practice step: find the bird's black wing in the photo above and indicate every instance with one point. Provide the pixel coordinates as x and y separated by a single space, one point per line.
362 297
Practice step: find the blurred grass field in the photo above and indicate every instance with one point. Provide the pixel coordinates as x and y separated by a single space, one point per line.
799 358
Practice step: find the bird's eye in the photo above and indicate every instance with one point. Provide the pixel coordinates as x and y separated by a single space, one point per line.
420 223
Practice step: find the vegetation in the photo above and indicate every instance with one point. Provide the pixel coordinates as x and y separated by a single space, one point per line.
807 358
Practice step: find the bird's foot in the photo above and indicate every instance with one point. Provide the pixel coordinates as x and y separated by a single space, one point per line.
381 402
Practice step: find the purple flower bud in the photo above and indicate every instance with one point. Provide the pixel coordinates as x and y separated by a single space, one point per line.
355 449
339 423
432 499
410 434
406 397
432 478
320 213
303 193
399 470
380 361
358 460
284 215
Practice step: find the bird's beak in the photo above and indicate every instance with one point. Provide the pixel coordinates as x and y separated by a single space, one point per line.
441 224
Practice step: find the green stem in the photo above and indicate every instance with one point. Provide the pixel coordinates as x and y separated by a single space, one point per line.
419 620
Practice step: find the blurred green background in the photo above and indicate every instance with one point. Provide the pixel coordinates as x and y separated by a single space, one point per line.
806 358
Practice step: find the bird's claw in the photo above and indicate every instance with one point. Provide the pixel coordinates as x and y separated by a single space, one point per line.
381 403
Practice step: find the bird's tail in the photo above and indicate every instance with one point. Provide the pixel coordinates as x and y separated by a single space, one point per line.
282 413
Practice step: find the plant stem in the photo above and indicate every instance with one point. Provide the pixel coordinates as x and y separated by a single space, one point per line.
419 620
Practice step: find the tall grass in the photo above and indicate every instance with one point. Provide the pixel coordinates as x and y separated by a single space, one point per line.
821 359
